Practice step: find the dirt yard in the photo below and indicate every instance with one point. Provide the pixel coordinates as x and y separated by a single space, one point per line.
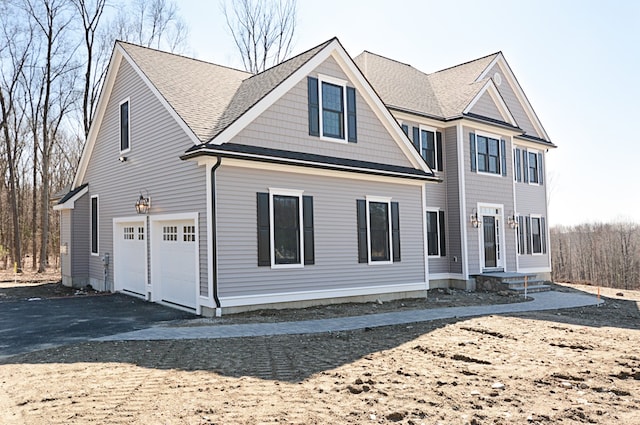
570 366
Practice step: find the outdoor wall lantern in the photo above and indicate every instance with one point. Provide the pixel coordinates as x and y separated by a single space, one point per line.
474 218
143 204
512 220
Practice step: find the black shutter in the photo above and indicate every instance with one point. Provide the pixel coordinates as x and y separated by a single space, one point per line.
416 138
307 224
503 156
525 166
528 234
264 236
521 230
363 256
351 115
314 108
543 235
395 231
439 163
443 240
94 225
405 128
516 164
540 169
472 148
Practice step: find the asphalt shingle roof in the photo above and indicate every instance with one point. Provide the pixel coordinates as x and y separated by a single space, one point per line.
443 94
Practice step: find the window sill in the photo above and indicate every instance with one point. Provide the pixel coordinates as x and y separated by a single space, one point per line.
486 173
377 263
287 266
333 139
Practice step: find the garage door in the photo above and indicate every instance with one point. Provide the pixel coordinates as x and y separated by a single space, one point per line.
129 257
174 262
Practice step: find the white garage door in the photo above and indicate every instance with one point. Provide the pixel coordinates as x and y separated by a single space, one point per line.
174 262
129 257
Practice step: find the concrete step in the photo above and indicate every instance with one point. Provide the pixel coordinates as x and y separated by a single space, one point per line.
531 289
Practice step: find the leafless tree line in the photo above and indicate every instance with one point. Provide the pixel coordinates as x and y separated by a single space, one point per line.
600 254
53 59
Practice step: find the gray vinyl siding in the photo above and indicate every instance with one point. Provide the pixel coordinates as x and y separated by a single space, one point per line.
531 199
285 125
486 107
336 256
452 184
514 105
153 166
490 189
65 240
80 238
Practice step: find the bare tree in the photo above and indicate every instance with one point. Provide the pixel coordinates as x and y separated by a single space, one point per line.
262 30
152 23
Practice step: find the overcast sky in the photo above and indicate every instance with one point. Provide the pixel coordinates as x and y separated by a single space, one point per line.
577 61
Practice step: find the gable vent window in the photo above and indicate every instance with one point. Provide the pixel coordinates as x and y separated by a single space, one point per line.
332 109
124 127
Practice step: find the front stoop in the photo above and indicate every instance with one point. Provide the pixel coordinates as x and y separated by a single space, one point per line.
506 281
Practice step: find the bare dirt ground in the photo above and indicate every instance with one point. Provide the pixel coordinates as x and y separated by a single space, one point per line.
570 366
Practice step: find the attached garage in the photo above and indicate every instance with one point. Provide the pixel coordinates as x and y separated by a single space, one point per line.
174 260
130 256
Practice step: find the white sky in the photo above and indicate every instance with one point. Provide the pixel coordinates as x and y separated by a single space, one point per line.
577 61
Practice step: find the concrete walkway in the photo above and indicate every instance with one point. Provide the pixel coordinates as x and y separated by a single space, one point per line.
542 301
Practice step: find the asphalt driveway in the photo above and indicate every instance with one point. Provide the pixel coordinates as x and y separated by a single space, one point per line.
33 325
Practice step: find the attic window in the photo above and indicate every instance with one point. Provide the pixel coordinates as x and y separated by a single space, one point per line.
124 126
328 116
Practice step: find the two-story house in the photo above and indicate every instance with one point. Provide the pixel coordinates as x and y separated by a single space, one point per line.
322 179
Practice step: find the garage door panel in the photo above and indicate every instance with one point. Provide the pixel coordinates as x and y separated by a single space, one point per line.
130 257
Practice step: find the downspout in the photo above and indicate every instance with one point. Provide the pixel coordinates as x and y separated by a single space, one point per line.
213 224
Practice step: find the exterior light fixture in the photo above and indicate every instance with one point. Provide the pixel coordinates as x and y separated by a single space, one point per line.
143 205
473 218
512 220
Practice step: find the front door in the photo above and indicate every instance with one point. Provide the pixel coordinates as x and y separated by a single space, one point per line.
490 247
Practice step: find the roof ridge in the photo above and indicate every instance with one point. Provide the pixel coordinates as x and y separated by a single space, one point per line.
184 57
390 59
466 63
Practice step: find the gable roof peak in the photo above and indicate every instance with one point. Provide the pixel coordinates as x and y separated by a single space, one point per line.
491 56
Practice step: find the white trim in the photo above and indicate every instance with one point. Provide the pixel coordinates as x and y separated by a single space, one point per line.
340 83
131 219
463 199
536 152
501 262
539 217
128 102
535 270
208 301
69 204
497 99
232 162
320 294
433 130
424 235
379 199
515 203
517 89
296 194
437 211
452 276
500 153
97 253
156 293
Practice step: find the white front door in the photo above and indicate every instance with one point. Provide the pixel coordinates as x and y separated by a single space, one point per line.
174 262
491 238
130 257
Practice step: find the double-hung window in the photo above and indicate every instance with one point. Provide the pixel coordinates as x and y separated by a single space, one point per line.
285 228
436 243
125 143
488 154
332 109
528 166
532 235
428 141
378 230
533 168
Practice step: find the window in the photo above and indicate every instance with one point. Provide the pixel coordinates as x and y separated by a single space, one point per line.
328 116
189 233
428 142
378 230
128 233
532 235
488 154
94 225
124 126
436 243
170 233
285 228
529 166
140 233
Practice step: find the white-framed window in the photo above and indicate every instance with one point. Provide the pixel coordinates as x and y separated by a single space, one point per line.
95 223
141 233
536 235
380 246
488 154
286 224
125 130
170 233
528 165
332 109
436 245
532 234
188 233
128 233
429 147
533 167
